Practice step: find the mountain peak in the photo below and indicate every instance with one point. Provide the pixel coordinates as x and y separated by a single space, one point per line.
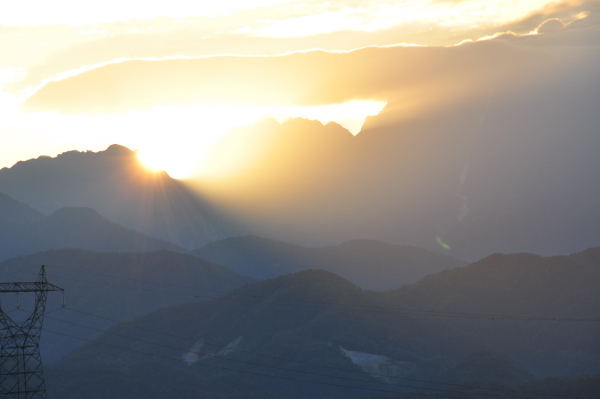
115 183
368 263
312 276
118 149
307 285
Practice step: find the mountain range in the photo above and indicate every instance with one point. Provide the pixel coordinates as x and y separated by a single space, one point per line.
114 183
104 288
485 151
500 323
471 151
369 264
25 231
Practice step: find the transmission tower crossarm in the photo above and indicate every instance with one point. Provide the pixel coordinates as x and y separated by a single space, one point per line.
36 286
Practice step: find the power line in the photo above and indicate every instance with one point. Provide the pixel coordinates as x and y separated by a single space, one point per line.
435 313
247 371
431 313
463 315
486 391
221 344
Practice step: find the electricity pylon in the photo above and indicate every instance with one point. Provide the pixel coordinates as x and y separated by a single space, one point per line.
21 371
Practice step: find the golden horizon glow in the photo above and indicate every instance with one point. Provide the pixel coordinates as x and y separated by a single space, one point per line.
51 44
176 139
185 155
175 164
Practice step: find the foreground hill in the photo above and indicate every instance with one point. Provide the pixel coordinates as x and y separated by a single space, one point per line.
115 286
530 286
114 183
314 334
24 231
587 387
370 264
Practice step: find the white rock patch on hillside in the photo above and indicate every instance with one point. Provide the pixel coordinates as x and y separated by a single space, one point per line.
379 366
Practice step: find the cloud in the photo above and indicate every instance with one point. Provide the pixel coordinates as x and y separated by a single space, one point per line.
380 15
550 26
73 12
305 78
519 110
528 136
266 30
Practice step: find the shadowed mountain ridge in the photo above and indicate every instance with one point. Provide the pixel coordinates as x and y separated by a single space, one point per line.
26 231
115 184
370 264
104 288
443 328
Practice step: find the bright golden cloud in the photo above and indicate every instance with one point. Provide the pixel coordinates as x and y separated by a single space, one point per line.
378 15
74 12
274 18
195 85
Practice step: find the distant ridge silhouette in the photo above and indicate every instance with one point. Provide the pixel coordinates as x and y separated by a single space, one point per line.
115 184
26 231
368 263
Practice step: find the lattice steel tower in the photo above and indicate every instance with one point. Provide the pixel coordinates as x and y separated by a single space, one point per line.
21 371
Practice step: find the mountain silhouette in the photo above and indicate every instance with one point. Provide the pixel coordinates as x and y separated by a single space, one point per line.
115 286
456 157
14 213
115 184
482 158
367 263
527 285
497 184
26 231
314 333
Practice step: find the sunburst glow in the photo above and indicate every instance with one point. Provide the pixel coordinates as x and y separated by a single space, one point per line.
177 140
176 165
183 151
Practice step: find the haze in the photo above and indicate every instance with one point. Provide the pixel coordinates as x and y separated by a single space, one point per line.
285 199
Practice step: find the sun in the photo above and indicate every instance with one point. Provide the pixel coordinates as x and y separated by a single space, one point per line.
175 164
196 133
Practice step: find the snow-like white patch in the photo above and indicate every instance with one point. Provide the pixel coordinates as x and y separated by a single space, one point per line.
362 358
200 351
193 355
379 366
230 348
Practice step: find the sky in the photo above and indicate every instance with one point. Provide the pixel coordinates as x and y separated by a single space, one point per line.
59 63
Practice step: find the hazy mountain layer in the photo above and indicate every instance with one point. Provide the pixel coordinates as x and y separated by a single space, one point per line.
115 184
24 231
368 264
484 147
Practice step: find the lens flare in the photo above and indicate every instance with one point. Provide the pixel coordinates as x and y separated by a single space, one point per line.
442 243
